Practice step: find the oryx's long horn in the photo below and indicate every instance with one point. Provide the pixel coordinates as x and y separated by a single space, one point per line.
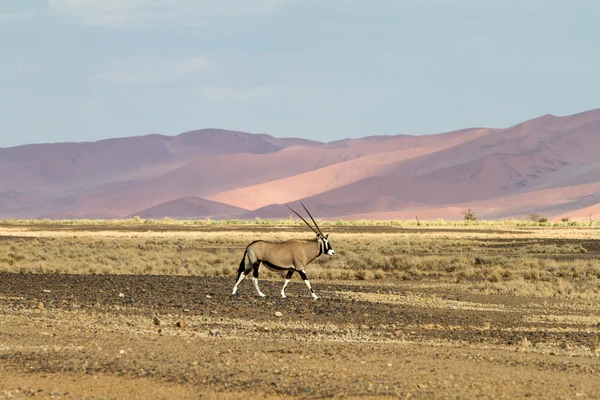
313 229
313 220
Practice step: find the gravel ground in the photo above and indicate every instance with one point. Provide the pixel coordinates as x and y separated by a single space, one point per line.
108 336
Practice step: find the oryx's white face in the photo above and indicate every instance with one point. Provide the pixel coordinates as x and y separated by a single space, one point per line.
327 249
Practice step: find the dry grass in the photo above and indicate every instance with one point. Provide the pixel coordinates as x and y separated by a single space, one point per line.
137 221
537 262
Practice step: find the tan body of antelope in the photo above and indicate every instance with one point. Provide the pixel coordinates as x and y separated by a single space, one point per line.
291 256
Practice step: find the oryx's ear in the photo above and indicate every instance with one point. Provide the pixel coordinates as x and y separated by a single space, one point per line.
327 236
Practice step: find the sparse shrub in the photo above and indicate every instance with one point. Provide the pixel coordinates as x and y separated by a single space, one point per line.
534 217
469 215
533 274
363 275
493 274
482 261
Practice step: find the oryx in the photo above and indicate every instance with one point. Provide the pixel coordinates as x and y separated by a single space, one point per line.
291 256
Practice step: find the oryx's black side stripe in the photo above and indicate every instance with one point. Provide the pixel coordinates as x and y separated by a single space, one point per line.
275 267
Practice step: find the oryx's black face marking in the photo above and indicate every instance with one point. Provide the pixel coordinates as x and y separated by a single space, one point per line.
327 249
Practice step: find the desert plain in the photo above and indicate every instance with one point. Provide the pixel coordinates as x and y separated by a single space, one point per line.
111 311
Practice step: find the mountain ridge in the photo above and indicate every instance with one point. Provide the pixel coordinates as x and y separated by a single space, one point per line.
244 175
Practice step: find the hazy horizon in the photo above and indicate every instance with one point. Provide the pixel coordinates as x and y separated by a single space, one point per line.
83 70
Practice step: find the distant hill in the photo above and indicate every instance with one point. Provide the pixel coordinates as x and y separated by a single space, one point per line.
190 207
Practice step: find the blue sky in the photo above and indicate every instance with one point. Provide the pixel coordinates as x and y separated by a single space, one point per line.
84 70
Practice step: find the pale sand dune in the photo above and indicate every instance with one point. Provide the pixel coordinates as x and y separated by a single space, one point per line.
209 174
331 177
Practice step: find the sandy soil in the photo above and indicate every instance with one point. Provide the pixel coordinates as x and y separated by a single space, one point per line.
105 337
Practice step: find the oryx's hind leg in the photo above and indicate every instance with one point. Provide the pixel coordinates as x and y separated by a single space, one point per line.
256 266
242 272
305 279
287 280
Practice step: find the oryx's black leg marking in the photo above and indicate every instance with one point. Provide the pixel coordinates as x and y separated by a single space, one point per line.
305 279
256 266
288 276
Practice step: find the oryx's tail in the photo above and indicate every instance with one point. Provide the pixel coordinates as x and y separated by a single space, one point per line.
242 264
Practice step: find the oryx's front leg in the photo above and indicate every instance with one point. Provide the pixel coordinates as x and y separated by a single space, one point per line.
287 280
255 280
305 279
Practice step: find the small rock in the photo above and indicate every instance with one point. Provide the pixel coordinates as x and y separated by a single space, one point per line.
215 332
186 310
41 305
208 296
278 314
180 324
121 295
46 291
122 352
159 331
156 321
421 386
